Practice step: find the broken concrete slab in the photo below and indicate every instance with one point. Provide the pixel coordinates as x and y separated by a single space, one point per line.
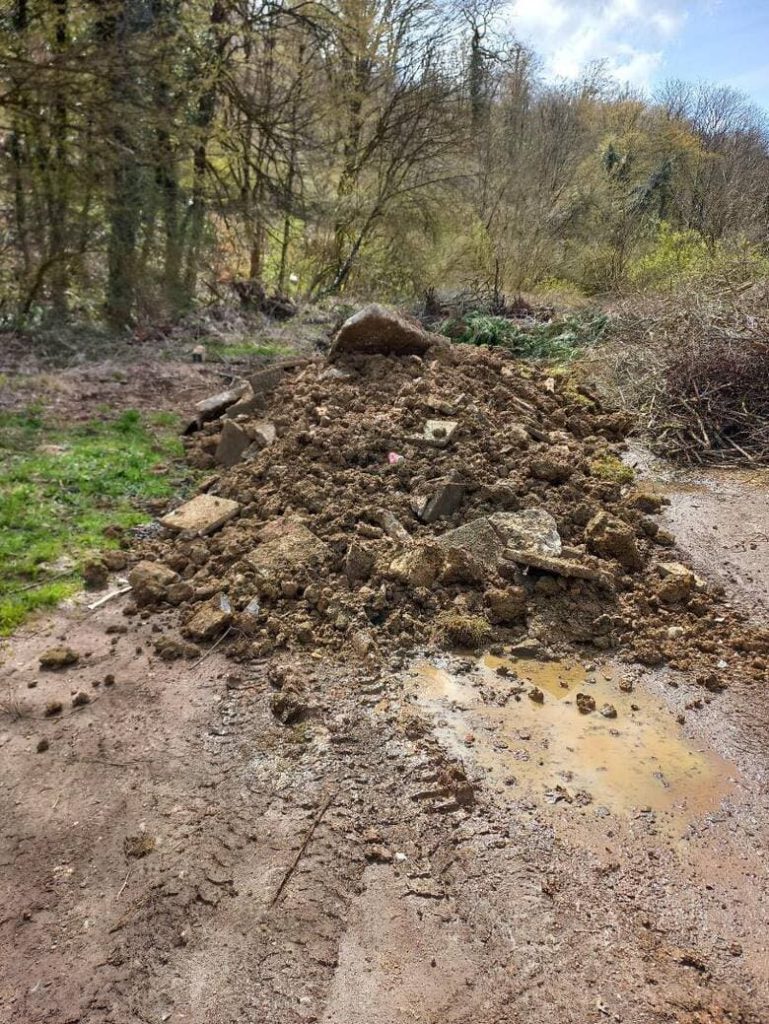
444 502
560 566
478 538
532 529
201 515
247 406
377 330
233 442
287 545
213 407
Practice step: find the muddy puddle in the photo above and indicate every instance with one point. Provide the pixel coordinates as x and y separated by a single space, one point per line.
633 757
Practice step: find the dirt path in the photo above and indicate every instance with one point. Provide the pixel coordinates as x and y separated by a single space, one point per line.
401 853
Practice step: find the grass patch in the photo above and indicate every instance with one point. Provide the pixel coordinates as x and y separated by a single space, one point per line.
466 631
61 485
559 340
609 467
243 349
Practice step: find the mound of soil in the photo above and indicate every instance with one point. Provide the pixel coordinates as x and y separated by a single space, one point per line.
460 497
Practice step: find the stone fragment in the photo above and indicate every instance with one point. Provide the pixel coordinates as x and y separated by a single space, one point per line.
169 648
58 657
533 529
203 514
393 527
554 466
233 442
213 407
262 433
460 566
436 434
287 545
561 567
479 539
610 537
445 500
246 406
376 330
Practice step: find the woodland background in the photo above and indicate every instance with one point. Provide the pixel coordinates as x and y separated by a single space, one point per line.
159 154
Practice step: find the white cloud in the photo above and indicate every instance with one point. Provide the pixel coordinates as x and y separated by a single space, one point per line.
629 35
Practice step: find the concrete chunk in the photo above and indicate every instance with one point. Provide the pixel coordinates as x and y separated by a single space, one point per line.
532 529
286 544
377 330
203 514
232 444
446 500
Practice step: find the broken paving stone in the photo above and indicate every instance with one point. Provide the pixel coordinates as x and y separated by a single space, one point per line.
212 408
233 442
532 529
246 406
204 514
377 330
286 544
262 433
561 567
478 538
58 658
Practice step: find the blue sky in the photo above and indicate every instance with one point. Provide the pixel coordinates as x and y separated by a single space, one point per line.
647 41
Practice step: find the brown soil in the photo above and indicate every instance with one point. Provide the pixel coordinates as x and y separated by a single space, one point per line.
305 837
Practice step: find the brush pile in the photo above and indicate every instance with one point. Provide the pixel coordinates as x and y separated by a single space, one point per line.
370 504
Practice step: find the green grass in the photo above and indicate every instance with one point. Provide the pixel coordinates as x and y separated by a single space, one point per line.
559 341
61 485
243 349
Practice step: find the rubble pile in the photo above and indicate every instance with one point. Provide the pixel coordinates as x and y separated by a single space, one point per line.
405 492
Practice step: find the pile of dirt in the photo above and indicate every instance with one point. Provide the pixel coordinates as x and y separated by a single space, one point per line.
382 502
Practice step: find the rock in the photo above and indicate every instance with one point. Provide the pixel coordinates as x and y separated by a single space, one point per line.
213 407
677 584
233 442
246 406
209 620
585 703
479 539
610 537
262 433
608 711
150 582
358 563
436 434
58 658
445 501
533 529
646 501
81 699
536 695
53 708
393 527
562 567
42 746
375 329
286 545
419 565
506 605
95 575
204 514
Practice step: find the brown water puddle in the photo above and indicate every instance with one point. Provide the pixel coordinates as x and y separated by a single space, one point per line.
639 760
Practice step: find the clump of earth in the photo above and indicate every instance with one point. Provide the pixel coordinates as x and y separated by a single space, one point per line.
405 492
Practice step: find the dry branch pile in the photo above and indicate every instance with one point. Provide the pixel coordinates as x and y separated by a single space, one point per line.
698 373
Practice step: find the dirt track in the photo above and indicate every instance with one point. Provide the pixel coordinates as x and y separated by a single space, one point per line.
405 905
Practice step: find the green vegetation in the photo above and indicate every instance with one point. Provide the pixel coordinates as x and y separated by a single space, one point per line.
559 340
609 467
464 631
243 349
60 486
